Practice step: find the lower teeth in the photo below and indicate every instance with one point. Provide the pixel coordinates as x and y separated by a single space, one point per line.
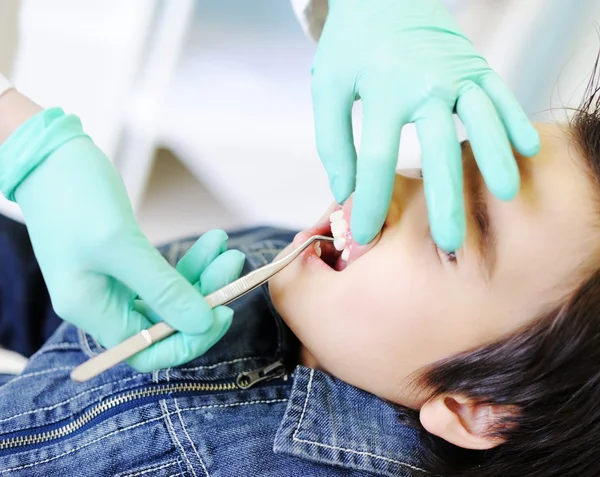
318 248
346 254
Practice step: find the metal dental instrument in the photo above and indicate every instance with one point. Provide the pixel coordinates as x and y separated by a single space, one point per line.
133 345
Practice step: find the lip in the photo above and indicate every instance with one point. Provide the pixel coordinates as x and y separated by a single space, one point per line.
323 227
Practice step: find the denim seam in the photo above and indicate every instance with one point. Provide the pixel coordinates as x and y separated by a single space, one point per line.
173 434
234 404
168 378
54 347
188 437
62 403
232 361
38 373
85 345
110 434
155 376
328 446
148 469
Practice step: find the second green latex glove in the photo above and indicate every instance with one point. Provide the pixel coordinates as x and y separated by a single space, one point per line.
93 256
409 63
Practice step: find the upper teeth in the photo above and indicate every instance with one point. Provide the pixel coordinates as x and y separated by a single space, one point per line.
339 243
337 215
339 230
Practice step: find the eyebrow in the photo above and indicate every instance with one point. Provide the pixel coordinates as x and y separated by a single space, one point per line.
485 233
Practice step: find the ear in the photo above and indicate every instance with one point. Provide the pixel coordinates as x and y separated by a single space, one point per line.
463 422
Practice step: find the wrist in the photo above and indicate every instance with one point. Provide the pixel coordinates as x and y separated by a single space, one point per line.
33 142
15 110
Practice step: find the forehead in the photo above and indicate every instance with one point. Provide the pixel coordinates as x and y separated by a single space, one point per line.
547 233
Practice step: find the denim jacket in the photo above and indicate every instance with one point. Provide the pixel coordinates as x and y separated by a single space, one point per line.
243 409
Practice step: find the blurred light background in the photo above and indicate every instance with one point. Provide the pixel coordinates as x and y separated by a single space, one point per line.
204 106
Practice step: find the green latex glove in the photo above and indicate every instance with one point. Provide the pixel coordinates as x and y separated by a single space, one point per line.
209 267
409 63
94 258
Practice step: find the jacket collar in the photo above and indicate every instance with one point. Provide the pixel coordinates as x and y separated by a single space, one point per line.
331 422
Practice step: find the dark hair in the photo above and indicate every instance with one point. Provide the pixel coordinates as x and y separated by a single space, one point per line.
549 372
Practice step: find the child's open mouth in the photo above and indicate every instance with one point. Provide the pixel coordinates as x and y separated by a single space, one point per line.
344 250
336 254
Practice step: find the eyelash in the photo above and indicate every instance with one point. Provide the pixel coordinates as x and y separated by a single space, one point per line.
450 256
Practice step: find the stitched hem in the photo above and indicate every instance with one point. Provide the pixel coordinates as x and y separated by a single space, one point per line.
289 442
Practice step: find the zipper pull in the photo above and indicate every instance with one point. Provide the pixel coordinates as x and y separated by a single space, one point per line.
250 378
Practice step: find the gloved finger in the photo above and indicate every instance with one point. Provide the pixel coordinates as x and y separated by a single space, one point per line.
442 175
140 306
109 320
376 168
332 108
182 348
521 132
222 271
226 268
164 289
208 247
489 142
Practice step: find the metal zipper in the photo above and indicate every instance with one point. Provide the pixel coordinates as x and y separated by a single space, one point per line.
249 379
243 381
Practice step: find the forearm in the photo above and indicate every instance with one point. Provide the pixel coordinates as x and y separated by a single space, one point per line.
15 109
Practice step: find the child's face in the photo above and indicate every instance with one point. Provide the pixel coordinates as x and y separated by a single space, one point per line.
403 305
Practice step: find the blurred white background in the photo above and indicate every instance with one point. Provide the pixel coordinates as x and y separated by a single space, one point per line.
205 107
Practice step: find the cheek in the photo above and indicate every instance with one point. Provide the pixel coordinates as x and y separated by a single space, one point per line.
371 326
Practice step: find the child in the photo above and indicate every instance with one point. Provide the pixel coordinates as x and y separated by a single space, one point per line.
401 360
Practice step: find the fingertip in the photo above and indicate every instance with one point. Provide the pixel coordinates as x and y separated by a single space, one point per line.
364 227
223 318
218 238
237 258
449 234
507 190
222 271
529 144
370 203
362 236
209 246
342 186
521 132
334 137
200 324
